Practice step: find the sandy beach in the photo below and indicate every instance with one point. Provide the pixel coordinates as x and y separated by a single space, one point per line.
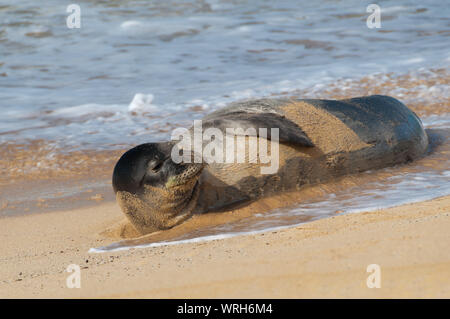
327 258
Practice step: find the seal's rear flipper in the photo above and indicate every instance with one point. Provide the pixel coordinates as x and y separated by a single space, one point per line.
289 132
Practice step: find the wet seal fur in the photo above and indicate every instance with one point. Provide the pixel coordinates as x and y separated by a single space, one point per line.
318 140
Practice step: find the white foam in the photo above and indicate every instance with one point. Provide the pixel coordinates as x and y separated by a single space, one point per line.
142 103
85 109
393 9
117 247
132 24
441 121
412 61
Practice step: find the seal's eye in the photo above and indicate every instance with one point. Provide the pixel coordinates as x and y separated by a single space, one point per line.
155 167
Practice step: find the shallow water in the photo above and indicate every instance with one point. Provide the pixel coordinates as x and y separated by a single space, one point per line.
126 74
422 180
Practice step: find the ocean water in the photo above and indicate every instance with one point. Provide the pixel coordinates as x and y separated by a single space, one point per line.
137 69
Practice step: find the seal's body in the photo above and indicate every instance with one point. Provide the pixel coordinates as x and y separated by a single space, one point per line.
318 140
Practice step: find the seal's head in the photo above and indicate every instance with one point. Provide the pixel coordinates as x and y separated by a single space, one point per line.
154 192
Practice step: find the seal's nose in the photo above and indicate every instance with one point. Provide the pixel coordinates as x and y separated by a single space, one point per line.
130 171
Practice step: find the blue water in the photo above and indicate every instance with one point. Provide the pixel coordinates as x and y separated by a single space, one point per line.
75 87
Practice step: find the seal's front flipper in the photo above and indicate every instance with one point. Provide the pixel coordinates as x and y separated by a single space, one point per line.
289 132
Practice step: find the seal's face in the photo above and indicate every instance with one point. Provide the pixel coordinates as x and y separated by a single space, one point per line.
154 192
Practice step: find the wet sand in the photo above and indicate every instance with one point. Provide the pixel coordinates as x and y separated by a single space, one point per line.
325 258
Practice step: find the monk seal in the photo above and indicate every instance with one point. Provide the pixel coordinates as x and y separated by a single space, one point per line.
318 140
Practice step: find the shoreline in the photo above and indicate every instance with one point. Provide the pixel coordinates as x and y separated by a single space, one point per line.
324 258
